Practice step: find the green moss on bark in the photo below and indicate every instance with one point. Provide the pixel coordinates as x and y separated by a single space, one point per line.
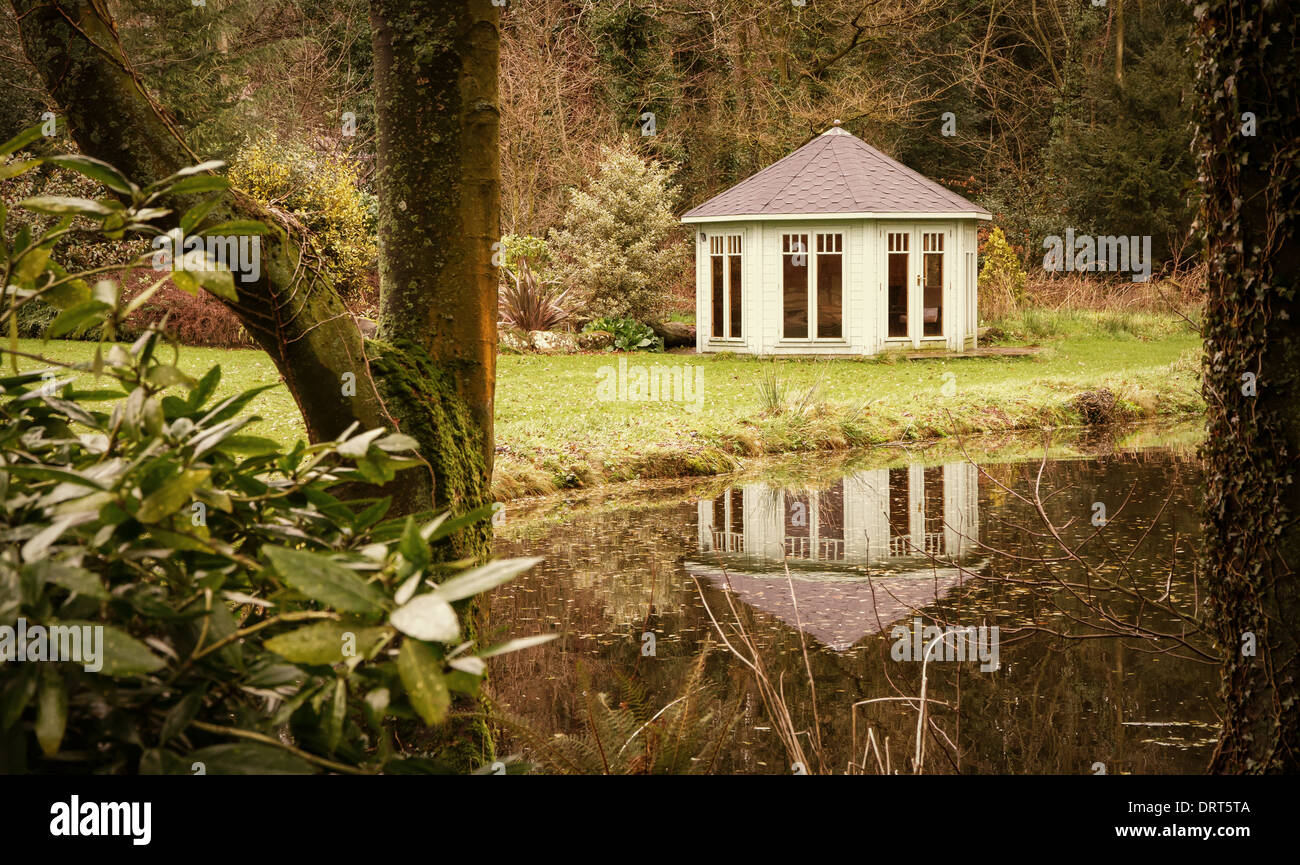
422 398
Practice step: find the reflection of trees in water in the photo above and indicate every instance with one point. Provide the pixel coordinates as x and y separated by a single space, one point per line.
1131 576
1057 705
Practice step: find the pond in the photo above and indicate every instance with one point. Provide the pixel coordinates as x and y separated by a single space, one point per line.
824 572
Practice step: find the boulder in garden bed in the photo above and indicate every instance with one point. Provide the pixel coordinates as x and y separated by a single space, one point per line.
513 340
553 342
675 334
595 340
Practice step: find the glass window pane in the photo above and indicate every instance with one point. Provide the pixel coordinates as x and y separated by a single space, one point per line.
830 512
795 281
735 295
830 524
933 299
798 508
900 500
933 492
716 264
737 497
897 294
830 296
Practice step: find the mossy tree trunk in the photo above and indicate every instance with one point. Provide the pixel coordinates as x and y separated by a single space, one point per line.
439 217
1248 142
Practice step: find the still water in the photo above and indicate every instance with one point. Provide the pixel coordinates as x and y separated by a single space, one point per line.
822 568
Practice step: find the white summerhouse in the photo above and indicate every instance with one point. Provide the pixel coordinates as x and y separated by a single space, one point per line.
835 250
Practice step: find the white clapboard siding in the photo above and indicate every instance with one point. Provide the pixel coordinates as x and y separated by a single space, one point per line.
865 301
838 183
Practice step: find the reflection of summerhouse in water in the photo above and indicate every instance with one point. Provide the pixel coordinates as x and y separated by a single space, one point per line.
865 518
866 551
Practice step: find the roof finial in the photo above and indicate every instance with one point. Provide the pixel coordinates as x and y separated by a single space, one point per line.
835 122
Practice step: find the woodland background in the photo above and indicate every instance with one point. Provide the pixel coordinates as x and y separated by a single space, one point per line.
1062 112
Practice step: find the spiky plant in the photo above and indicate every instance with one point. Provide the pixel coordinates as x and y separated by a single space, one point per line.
777 395
527 302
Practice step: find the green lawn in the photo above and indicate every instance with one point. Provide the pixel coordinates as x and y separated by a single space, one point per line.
241 369
551 419
555 429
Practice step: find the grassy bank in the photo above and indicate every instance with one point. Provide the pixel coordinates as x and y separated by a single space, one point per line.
566 421
538 516
553 429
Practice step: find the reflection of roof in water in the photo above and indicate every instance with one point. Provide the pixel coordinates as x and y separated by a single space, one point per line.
838 609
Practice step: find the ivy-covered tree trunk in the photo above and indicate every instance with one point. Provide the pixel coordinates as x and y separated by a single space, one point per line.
1248 142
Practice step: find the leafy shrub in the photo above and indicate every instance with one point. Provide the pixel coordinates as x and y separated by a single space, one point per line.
526 248
528 303
236 595
246 617
81 249
34 318
198 320
322 192
629 335
1002 280
620 244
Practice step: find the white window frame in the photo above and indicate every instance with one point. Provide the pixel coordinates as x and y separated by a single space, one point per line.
725 240
811 231
916 253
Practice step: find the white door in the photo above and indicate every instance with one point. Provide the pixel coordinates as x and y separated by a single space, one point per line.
900 277
916 264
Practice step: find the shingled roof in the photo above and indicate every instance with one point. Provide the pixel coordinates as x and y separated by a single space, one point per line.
835 173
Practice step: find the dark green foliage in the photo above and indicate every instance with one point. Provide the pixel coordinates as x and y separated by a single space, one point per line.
152 516
1121 159
253 620
629 334
625 36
